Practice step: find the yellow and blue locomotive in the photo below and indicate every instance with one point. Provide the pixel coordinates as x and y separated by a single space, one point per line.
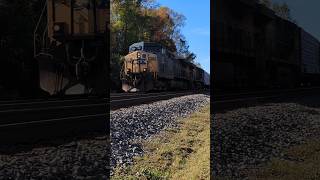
150 66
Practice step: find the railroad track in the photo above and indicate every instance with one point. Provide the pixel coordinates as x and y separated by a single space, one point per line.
245 99
41 119
122 100
34 120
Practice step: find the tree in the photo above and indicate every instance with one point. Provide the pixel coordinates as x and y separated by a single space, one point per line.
198 65
143 20
183 50
267 3
165 26
126 24
282 10
17 37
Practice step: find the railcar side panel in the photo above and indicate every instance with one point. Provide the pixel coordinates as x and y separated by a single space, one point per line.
206 79
310 63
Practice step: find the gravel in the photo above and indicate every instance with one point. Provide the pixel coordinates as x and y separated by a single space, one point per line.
248 137
89 158
129 126
79 159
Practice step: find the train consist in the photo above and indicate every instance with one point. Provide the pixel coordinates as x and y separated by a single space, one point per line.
70 46
255 48
150 66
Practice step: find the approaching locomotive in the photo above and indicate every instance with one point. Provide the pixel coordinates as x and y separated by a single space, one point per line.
150 66
70 46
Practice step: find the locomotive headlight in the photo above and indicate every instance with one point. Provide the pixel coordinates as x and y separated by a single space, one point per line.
138 55
56 27
144 69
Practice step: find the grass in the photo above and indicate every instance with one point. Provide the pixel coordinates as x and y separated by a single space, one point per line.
182 153
303 163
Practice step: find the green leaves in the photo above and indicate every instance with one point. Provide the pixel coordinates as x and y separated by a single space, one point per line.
143 20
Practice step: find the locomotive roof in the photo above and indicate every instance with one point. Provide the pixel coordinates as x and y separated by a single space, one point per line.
143 43
140 45
174 54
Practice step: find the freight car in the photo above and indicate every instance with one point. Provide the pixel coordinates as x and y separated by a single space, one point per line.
150 66
256 49
309 54
70 45
206 80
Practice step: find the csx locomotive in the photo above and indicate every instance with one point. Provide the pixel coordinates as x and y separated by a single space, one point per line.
70 45
150 66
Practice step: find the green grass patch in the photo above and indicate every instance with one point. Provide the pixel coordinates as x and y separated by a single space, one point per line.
301 162
182 153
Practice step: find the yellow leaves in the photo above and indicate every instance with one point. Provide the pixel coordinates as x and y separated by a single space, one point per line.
132 21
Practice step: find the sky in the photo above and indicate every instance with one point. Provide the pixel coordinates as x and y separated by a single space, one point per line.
306 13
197 27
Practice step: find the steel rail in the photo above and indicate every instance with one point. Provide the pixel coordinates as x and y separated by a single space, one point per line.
252 99
221 95
49 101
52 120
145 94
52 108
148 97
137 100
48 119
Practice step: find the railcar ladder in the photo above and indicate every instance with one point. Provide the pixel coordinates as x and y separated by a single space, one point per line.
40 36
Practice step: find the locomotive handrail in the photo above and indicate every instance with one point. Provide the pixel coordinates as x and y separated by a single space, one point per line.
37 26
44 34
122 73
44 54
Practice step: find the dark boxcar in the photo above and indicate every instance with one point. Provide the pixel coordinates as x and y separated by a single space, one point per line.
283 66
254 48
206 80
241 44
309 59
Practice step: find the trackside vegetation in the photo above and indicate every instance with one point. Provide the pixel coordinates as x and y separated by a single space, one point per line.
299 162
182 152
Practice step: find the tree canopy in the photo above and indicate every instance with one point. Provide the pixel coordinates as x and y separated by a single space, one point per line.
17 19
144 20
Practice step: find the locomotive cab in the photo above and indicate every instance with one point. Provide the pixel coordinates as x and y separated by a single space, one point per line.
74 19
70 46
139 68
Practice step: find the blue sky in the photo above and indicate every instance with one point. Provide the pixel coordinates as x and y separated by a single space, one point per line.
197 26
